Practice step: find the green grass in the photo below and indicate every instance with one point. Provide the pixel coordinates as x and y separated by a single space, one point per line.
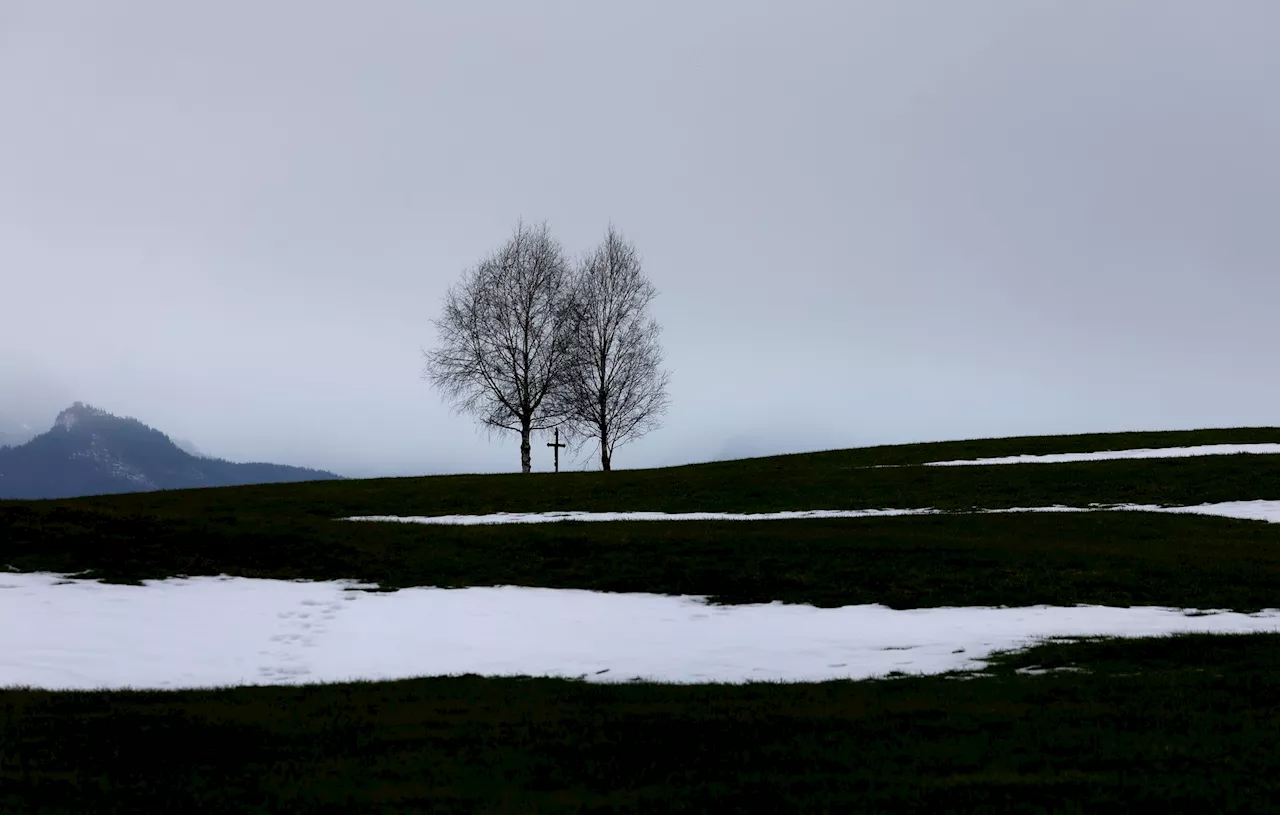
1107 558
1179 724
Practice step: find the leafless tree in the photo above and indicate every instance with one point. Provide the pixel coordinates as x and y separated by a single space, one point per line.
503 338
614 389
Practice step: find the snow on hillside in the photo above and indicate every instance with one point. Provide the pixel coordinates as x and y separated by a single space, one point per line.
1106 455
208 631
1243 510
554 517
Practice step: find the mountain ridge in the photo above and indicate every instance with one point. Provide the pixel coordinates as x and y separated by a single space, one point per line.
89 451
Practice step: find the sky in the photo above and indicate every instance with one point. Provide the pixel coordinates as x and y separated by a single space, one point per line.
869 222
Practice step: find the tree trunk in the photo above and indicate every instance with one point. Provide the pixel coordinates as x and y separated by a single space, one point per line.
605 458
526 449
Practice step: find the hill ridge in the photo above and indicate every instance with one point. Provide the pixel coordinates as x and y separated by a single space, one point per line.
89 451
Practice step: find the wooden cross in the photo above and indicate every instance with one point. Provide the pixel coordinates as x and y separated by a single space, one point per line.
557 445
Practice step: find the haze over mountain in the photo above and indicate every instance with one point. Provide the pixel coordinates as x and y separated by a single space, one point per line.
91 452
10 437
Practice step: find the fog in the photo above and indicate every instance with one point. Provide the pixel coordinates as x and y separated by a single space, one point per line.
869 222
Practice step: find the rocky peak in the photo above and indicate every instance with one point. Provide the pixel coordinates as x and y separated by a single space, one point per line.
76 414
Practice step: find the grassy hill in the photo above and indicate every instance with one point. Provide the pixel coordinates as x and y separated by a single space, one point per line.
1184 723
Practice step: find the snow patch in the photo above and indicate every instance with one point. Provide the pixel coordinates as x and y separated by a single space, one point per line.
555 517
108 463
219 631
1245 510
1106 455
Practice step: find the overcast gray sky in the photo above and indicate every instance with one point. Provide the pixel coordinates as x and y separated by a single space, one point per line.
869 220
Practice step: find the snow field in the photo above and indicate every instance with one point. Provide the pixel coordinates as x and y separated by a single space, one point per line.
207 631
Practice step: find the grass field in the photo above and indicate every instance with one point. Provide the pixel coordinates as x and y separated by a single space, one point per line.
1182 724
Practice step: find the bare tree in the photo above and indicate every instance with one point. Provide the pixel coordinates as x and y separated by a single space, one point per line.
503 339
614 389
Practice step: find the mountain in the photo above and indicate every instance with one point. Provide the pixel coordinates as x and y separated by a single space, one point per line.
91 452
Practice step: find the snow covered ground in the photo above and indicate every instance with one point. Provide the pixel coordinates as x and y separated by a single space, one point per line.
1246 510
553 517
209 631
1154 452
1242 510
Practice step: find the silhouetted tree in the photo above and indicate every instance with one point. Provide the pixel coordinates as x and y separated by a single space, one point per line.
613 389
503 339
